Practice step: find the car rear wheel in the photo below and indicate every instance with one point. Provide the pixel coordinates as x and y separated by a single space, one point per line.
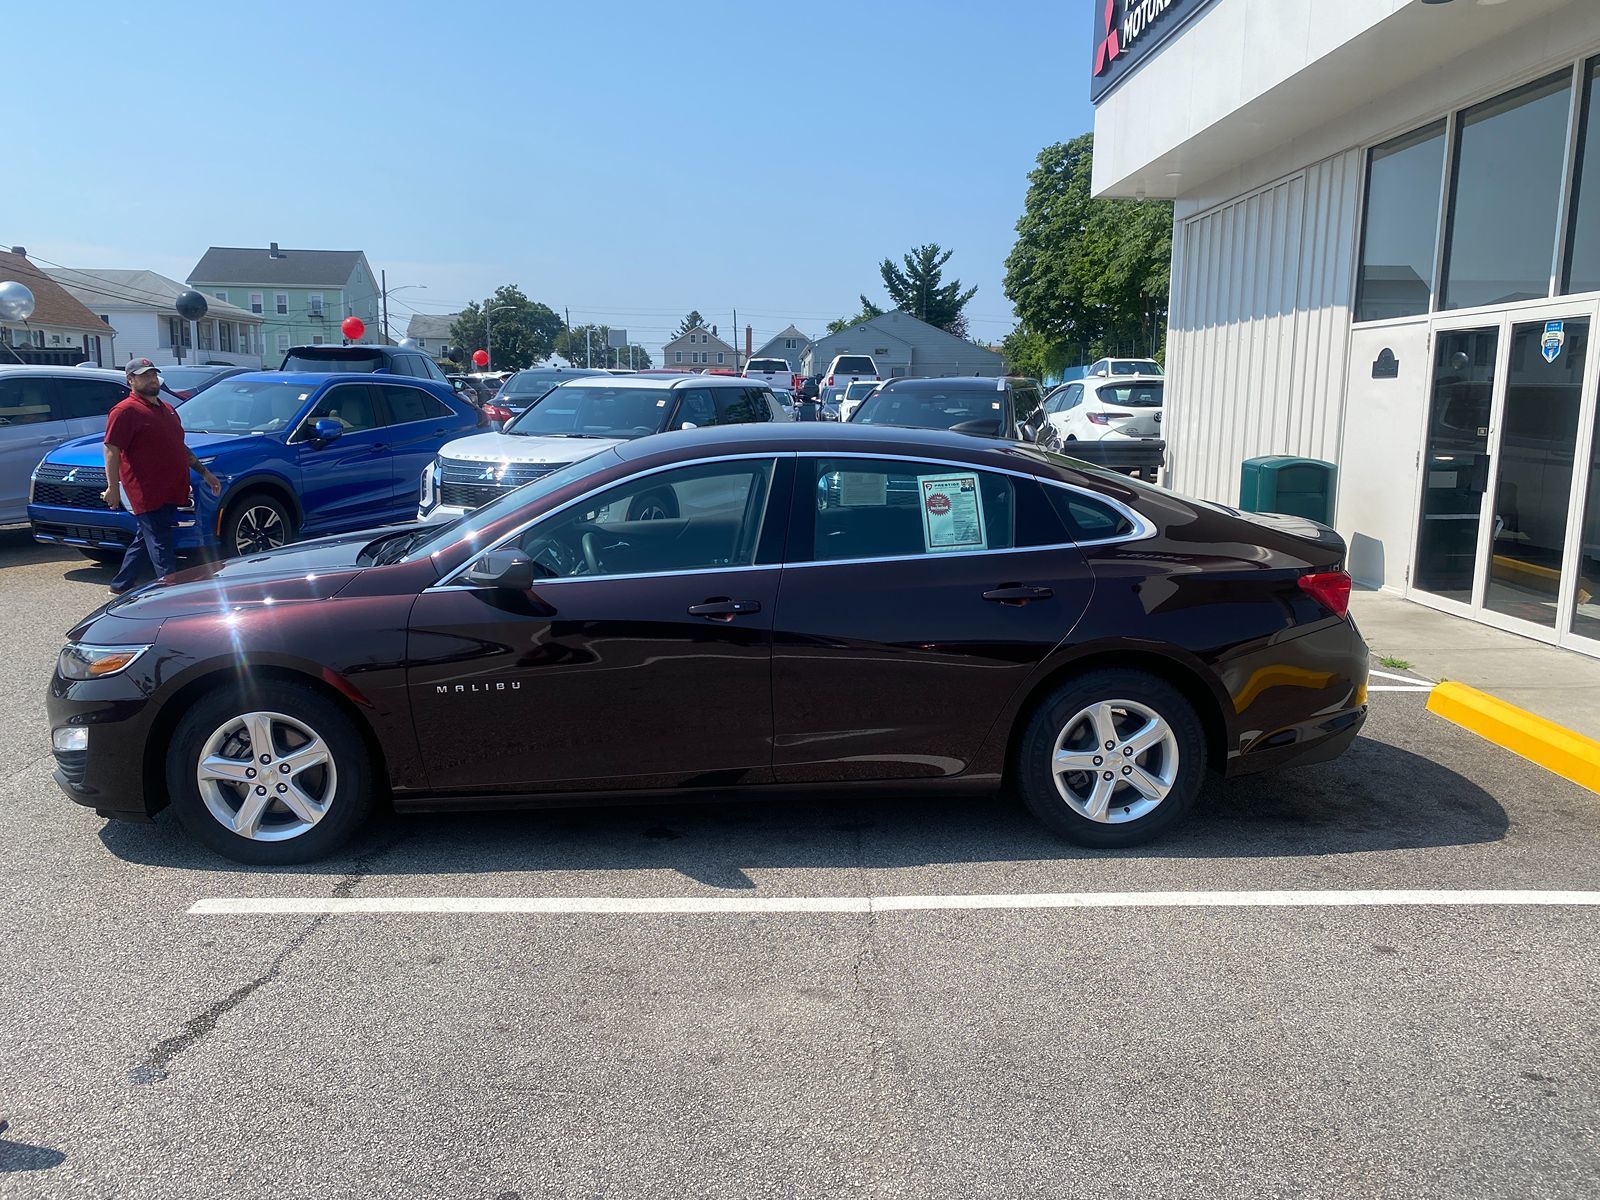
271 774
659 505
1113 758
254 524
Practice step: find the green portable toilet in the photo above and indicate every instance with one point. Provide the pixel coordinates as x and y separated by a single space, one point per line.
1281 483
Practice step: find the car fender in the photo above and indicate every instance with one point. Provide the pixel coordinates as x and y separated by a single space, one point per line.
264 480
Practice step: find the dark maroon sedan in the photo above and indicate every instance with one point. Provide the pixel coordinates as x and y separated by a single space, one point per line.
847 608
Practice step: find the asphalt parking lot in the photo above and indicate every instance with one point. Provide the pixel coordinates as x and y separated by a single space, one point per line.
1133 1050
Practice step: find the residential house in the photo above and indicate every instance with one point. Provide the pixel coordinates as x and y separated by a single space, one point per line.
141 309
431 333
61 331
699 350
791 344
902 345
302 296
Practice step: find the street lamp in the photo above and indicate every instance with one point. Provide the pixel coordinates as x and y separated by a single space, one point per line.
488 330
384 277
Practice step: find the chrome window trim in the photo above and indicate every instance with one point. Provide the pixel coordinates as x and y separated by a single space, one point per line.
1143 528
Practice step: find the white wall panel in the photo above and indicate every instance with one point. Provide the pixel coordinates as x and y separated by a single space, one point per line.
1260 324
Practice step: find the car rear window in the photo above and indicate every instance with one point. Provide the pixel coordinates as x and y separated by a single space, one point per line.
933 408
857 391
1131 395
335 358
767 364
854 364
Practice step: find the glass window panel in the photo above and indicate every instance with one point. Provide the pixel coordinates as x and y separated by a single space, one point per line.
1456 465
1404 179
1583 245
1539 433
1510 157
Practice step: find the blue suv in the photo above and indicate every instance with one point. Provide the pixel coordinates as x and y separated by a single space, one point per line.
297 454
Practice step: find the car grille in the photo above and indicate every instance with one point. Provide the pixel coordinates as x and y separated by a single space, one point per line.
69 487
74 764
462 484
94 534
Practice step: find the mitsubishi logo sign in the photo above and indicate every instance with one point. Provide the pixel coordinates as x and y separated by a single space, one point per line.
71 476
1126 30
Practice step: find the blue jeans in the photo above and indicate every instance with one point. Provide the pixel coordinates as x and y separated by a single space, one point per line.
151 547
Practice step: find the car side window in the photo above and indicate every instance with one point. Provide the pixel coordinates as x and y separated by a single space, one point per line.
430 369
740 406
407 404
1026 402
870 508
1087 519
350 404
689 519
697 408
89 398
30 400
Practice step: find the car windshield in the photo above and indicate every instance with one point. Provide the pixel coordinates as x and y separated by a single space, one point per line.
611 412
1135 366
233 406
530 385
182 379
932 407
431 539
336 358
1131 395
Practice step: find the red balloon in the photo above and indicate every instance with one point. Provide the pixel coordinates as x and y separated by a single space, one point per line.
480 358
353 327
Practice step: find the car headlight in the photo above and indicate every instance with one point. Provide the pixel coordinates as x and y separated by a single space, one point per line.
96 662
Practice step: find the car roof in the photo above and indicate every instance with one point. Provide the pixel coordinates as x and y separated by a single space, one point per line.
65 372
926 383
663 382
323 377
1103 380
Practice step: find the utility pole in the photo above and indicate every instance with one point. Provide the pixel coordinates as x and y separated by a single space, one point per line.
566 319
588 345
384 275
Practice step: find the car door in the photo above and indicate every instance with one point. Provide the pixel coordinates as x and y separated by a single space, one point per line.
641 658
916 597
348 482
33 421
419 424
1069 413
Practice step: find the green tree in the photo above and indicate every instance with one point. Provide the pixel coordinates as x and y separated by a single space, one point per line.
693 321
583 345
868 311
524 331
918 288
1089 277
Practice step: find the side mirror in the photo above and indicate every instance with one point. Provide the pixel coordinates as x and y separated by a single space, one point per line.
326 429
1029 431
510 569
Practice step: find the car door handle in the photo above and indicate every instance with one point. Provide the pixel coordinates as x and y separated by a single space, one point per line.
724 610
1018 593
55 441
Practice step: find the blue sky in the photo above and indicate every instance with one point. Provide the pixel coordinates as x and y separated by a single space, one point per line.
629 161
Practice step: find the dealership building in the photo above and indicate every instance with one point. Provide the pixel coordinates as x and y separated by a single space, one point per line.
1386 255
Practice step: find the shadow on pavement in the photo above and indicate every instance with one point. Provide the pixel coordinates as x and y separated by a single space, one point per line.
18 547
19 1156
1376 797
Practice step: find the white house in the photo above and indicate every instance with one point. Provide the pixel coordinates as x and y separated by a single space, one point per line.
141 309
698 350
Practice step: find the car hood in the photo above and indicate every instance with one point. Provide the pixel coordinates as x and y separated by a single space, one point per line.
508 447
304 571
89 452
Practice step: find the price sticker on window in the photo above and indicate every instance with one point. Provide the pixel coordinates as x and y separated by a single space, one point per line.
952 513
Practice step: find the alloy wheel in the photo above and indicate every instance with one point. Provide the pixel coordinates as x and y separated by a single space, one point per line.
266 776
1115 761
260 528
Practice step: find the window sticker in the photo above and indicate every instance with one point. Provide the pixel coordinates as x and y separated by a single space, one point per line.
863 489
952 513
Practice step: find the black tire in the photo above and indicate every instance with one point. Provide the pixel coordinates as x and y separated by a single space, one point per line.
107 558
345 791
1055 720
254 523
659 505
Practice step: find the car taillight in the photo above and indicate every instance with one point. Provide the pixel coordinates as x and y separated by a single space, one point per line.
495 413
794 382
1098 418
1331 589
830 381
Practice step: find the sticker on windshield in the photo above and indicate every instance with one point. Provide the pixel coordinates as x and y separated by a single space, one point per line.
952 513
661 403
863 489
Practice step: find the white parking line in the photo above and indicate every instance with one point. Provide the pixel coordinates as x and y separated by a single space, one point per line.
1400 678
743 905
1383 687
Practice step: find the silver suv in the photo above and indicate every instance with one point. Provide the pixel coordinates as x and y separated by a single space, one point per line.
41 407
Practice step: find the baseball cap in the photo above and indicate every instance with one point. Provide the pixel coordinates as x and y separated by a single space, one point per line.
138 366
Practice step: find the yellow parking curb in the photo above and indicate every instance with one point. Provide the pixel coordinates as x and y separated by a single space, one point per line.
1552 746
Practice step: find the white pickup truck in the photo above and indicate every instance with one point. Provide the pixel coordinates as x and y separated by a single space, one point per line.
774 372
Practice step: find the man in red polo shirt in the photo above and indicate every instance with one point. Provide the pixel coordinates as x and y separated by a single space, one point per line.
148 463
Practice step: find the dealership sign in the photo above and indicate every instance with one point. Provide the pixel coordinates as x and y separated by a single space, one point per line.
1127 30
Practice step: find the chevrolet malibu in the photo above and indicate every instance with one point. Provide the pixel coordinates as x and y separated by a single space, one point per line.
852 608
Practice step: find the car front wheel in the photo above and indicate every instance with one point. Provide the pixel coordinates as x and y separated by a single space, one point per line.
272 774
256 523
1112 758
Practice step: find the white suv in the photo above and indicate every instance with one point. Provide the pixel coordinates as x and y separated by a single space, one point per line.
576 419
1091 409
